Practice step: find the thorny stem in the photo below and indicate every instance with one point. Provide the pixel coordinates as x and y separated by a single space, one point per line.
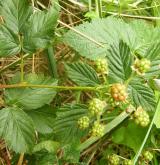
24 85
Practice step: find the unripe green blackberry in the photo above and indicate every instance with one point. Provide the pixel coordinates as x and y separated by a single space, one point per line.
128 162
83 122
96 106
102 66
141 66
113 159
148 155
141 117
97 129
118 92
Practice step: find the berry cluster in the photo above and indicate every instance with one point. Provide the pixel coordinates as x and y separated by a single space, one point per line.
148 155
102 66
141 117
97 129
83 122
96 106
128 162
113 159
118 92
141 66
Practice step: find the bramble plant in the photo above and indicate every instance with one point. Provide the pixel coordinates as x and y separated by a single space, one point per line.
110 111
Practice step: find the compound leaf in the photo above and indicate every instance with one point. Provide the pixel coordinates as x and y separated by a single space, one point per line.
16 127
142 95
16 13
31 98
9 44
42 118
65 125
39 30
120 61
82 74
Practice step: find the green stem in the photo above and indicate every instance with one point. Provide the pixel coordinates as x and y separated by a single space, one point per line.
52 61
147 134
24 85
14 63
22 68
90 5
99 7
108 128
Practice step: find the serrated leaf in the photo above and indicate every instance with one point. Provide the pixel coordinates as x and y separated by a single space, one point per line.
39 30
31 98
43 119
72 153
120 61
153 54
9 44
157 116
82 74
142 95
16 13
109 31
65 126
17 129
131 136
50 146
103 31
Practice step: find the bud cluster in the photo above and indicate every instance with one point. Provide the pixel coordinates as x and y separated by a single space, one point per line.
141 66
118 92
113 159
148 155
102 66
83 122
141 117
96 106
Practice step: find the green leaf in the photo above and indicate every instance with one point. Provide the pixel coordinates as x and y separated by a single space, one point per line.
157 116
131 136
65 126
120 61
39 31
82 74
103 31
107 32
31 98
142 95
9 43
50 146
152 54
17 129
42 118
15 13
71 153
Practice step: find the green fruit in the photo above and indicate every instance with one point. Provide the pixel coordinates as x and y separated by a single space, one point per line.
148 155
83 122
102 66
97 129
128 162
141 66
113 159
118 92
96 106
141 117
